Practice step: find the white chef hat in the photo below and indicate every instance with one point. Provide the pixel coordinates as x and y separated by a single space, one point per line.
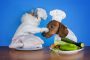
41 13
57 15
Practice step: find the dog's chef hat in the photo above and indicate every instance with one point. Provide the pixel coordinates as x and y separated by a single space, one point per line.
57 15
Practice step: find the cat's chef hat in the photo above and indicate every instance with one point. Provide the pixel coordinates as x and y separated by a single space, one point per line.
57 15
41 13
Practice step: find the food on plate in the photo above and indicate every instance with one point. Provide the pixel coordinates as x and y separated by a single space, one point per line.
66 44
80 45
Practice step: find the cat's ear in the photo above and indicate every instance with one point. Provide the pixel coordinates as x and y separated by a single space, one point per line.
62 31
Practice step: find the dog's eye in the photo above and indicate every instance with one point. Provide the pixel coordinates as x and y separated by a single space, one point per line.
51 26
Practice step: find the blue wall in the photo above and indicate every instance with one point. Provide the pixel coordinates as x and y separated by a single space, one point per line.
78 17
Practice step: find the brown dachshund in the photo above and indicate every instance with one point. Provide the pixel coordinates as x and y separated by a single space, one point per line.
56 27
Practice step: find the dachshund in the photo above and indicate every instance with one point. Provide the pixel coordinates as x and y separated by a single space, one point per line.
56 27
60 30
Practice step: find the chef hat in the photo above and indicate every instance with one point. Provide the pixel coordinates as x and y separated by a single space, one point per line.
41 13
57 15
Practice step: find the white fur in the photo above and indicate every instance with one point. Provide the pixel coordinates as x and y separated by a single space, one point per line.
59 15
24 36
70 35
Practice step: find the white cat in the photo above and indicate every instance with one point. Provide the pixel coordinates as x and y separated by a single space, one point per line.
24 36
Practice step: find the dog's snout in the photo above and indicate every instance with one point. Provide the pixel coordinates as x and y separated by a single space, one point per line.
43 34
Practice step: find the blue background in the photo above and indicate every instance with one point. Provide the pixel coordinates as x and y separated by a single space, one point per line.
78 17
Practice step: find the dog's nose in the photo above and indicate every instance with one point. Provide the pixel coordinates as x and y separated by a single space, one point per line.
43 34
46 35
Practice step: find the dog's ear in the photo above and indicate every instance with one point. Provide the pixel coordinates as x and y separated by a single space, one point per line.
62 31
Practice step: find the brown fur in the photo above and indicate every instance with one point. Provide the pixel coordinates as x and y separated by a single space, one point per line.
56 27
62 30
